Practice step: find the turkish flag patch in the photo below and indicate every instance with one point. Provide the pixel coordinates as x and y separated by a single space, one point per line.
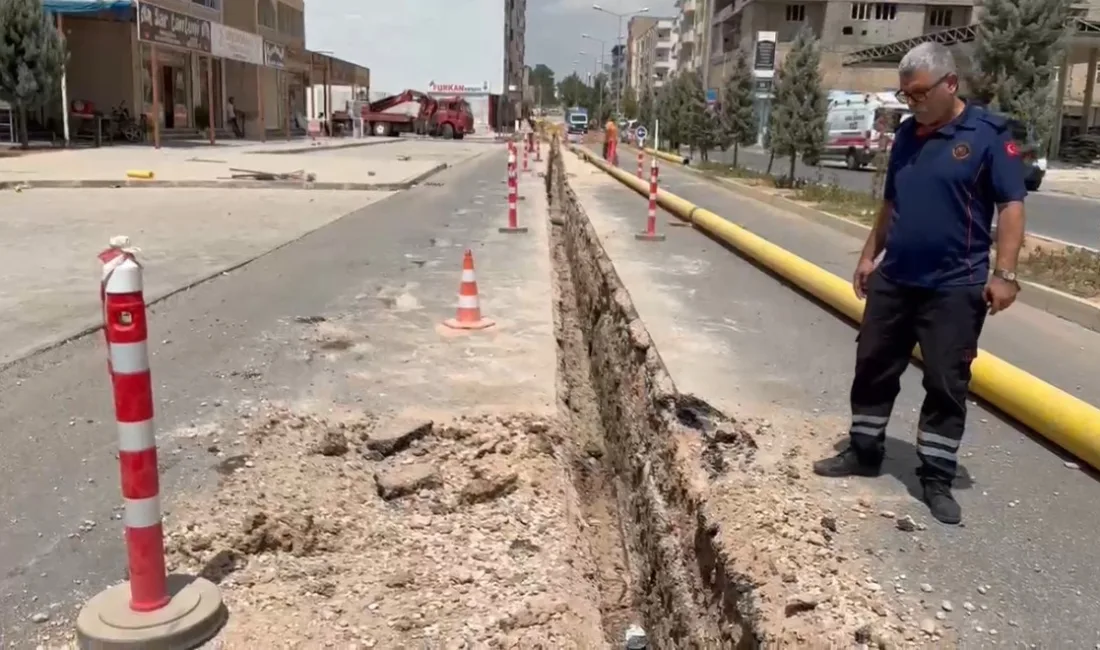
1012 149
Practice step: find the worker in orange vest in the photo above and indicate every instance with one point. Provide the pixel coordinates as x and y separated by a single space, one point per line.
611 142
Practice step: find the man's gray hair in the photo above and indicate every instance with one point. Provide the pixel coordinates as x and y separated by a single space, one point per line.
933 58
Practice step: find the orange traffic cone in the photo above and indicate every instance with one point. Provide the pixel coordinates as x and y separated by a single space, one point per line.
468 315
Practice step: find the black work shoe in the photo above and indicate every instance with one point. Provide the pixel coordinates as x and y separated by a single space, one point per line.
937 494
846 463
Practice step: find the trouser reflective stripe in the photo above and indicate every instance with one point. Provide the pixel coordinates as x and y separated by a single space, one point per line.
946 322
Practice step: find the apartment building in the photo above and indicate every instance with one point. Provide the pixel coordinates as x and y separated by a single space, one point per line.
691 28
616 70
842 27
654 55
636 29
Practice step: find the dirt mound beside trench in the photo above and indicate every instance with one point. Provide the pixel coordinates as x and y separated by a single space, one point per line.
393 534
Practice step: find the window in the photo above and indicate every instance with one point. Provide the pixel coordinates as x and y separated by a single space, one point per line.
291 21
209 4
265 14
939 17
874 11
796 13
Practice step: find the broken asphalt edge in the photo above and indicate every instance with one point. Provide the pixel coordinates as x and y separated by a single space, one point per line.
95 324
1058 303
224 185
690 594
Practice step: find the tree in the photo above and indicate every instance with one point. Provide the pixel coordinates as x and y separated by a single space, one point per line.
700 128
572 91
629 104
736 111
600 103
670 101
541 80
646 108
799 109
1017 53
31 55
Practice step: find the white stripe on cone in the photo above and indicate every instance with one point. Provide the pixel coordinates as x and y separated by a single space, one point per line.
129 358
141 513
136 436
467 302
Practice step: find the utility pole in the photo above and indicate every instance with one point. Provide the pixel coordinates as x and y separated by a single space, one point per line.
619 38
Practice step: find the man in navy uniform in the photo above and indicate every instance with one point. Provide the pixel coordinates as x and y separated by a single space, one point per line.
952 166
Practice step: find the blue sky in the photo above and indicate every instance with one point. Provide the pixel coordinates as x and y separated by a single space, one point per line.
554 29
429 40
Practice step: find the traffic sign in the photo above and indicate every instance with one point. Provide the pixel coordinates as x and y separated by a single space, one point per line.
641 133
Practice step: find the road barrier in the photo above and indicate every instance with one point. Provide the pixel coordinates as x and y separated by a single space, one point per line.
650 232
641 164
468 312
1061 418
152 610
513 226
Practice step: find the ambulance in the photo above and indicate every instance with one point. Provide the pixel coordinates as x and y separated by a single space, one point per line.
852 135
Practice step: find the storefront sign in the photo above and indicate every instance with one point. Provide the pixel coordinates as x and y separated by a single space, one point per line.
764 58
159 25
274 55
235 44
296 58
458 89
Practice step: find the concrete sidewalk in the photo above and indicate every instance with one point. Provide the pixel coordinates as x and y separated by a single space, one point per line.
393 163
1022 570
50 290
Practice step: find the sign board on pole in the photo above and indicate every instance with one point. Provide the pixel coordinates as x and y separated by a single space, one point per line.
641 134
712 96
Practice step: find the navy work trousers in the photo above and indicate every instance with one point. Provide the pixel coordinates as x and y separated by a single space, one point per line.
946 322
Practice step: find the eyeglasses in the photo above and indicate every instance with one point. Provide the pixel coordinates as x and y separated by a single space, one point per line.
918 96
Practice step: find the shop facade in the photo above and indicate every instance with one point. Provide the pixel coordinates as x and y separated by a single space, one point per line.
179 78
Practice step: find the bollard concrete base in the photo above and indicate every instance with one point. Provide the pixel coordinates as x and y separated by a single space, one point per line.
645 236
518 230
193 616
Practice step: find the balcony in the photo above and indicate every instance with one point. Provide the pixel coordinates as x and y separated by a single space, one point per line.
724 14
687 36
687 6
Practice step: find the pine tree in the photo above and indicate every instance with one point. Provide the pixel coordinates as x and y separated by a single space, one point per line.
700 126
799 110
646 109
628 104
669 103
737 112
31 55
1017 53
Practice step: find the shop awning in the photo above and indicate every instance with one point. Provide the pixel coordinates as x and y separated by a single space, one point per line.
69 7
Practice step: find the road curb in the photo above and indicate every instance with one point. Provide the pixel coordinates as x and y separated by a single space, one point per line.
222 185
1055 302
1067 421
319 147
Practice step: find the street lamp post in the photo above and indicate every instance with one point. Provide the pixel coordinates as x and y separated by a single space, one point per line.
618 39
596 77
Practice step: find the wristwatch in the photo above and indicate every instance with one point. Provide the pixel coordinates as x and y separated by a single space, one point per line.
1006 275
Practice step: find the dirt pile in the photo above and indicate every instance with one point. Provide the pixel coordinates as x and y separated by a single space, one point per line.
390 534
735 548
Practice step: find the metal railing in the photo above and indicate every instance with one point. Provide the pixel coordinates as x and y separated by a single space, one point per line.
892 52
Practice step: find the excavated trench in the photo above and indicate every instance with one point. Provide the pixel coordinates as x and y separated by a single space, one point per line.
640 453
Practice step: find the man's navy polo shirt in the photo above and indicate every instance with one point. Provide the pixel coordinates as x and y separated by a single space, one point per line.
944 188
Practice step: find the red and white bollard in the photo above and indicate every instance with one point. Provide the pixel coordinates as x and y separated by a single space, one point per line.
538 150
650 233
641 164
513 226
526 150
151 609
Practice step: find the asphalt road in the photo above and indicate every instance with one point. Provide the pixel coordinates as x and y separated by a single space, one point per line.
1029 533
219 350
1069 219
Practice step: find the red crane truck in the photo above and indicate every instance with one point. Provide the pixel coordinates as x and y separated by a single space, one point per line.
448 117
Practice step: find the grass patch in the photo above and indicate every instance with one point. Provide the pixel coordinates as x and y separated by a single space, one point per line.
1066 268
729 171
842 201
